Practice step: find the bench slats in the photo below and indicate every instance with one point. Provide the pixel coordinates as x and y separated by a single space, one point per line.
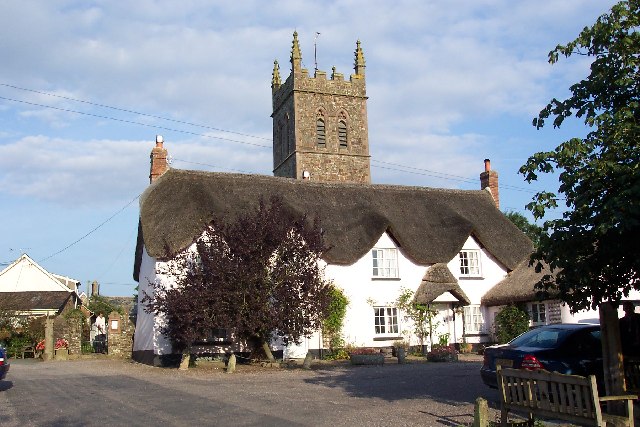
569 397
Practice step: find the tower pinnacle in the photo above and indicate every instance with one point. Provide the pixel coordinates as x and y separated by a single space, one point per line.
359 64
275 76
296 55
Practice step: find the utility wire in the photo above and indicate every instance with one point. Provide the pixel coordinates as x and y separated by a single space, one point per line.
405 169
92 231
136 123
132 111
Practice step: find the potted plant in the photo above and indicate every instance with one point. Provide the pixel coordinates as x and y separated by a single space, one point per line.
366 356
442 353
400 348
61 347
465 347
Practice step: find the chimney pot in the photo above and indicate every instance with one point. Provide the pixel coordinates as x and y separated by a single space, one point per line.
489 180
159 163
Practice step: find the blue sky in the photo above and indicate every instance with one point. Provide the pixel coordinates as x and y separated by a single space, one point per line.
86 85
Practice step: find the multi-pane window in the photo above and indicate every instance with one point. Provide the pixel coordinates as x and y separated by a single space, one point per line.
538 314
386 320
342 133
473 320
470 263
320 133
385 262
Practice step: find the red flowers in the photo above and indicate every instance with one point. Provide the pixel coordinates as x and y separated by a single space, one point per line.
60 343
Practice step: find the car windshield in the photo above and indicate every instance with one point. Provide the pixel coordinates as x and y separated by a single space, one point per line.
541 338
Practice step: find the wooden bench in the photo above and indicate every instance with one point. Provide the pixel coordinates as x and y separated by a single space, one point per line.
557 396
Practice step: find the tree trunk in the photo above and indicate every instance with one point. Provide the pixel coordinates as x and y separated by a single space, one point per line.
267 351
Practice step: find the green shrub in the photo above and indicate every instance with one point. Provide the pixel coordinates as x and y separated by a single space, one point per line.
511 321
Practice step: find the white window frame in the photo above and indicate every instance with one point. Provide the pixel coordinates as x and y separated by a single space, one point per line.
470 263
386 321
473 320
384 263
538 313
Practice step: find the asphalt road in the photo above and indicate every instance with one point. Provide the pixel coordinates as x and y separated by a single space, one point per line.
118 393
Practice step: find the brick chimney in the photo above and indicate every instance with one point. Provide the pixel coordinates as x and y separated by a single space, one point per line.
159 163
489 179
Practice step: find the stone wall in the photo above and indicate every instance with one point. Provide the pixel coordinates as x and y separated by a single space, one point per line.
120 335
69 328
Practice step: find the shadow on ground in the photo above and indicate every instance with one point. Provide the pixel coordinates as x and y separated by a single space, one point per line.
453 383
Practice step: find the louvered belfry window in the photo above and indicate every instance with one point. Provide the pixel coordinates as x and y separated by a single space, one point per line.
321 138
342 133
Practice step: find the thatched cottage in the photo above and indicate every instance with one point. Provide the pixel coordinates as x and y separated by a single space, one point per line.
450 247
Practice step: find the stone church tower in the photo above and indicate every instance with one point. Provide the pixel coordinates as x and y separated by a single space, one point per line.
320 127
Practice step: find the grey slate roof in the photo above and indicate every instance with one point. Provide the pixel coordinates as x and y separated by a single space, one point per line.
518 286
430 225
436 281
37 300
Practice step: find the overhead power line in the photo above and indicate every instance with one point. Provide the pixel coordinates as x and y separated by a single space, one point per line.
396 166
136 123
68 98
92 231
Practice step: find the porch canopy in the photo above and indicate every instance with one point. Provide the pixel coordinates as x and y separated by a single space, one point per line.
439 285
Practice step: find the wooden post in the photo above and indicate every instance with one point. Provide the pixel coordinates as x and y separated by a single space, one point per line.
307 360
231 365
481 413
612 355
48 339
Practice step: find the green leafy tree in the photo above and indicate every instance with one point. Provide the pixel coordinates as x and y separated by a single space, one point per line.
100 304
421 315
511 321
333 322
257 276
533 231
594 249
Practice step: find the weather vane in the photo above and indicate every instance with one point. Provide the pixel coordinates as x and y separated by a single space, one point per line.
315 49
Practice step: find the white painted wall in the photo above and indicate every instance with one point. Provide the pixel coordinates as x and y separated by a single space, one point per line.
363 291
147 335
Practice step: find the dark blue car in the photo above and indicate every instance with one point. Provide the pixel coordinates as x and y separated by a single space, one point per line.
565 348
4 363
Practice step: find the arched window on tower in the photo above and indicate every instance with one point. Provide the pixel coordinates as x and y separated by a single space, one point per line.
283 142
321 139
290 131
342 133
278 147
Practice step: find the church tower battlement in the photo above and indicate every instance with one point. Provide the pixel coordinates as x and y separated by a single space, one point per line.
320 129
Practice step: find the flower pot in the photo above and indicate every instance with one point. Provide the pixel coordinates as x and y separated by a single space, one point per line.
61 354
367 359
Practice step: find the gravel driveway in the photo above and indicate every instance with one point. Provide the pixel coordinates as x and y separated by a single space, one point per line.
112 392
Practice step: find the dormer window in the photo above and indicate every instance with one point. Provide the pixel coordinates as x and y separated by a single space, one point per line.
470 263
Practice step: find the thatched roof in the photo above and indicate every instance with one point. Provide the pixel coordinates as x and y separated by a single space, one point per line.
518 286
436 281
37 300
430 225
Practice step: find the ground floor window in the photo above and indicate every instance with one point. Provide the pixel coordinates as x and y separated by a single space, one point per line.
538 314
386 320
473 320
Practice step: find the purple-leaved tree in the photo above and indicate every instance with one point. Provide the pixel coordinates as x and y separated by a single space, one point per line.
257 276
